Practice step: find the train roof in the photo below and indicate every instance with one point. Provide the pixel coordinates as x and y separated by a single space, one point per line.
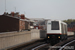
59 21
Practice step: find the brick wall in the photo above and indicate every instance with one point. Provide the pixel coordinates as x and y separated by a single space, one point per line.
21 25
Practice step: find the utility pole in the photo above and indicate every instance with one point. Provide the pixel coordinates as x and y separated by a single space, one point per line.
24 12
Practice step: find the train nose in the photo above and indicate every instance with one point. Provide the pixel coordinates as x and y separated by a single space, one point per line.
53 36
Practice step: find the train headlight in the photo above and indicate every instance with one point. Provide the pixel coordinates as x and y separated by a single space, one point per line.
58 36
48 37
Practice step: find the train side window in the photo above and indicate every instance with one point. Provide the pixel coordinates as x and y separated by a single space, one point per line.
66 29
62 28
49 23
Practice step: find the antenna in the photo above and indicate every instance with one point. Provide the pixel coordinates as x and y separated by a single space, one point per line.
5 5
24 12
15 9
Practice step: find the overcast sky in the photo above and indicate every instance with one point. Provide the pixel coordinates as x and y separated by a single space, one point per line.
50 9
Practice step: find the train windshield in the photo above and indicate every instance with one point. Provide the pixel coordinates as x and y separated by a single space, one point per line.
54 25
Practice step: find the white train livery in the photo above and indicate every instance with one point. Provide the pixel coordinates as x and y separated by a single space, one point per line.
56 30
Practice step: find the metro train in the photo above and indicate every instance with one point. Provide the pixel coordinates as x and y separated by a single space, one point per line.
56 31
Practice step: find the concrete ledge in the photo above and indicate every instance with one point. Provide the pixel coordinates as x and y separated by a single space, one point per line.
37 34
7 34
11 39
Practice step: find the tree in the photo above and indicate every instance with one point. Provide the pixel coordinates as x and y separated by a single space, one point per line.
68 21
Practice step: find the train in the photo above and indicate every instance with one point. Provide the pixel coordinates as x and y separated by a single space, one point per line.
56 31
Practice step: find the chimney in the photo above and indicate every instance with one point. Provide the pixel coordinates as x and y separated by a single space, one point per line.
19 16
17 13
22 16
5 13
12 13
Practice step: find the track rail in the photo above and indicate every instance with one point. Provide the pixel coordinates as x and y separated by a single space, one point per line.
62 44
40 46
32 46
66 44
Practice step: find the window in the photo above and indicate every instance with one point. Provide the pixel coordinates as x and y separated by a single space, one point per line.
65 28
62 28
49 23
54 25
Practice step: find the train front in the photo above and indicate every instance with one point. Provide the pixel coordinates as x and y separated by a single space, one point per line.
53 31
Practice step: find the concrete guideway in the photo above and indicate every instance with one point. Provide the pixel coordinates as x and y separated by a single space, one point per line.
13 39
27 45
8 40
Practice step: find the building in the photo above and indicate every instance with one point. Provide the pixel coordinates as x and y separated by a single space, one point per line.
39 23
13 22
71 27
